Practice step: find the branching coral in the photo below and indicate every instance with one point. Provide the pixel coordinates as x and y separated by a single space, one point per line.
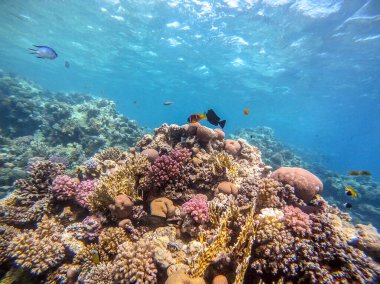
297 220
110 238
31 198
40 249
113 154
134 263
101 273
7 233
64 187
197 208
224 166
122 182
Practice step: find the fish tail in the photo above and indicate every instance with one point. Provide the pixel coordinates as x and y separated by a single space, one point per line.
222 123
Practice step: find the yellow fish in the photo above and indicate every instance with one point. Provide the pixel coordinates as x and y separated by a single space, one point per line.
95 258
351 192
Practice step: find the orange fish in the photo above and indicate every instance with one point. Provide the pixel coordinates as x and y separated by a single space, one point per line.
195 117
246 111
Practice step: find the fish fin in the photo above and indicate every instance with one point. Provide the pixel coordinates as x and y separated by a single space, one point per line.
32 49
40 57
222 123
38 46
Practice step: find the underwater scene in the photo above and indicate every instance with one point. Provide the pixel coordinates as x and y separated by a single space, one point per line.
189 141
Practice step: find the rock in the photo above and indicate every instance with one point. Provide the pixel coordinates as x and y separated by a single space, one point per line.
305 183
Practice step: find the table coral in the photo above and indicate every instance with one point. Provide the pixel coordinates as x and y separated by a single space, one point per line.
40 249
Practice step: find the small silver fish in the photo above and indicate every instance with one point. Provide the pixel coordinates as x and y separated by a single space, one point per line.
168 103
43 52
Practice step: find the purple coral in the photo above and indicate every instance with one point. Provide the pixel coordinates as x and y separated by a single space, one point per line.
91 164
297 220
181 155
163 170
83 191
168 167
92 225
197 208
64 187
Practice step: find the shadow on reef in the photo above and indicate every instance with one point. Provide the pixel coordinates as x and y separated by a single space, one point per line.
365 209
63 127
184 206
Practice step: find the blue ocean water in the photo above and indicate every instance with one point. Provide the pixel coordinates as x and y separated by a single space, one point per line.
309 69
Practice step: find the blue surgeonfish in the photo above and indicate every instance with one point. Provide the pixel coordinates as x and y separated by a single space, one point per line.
43 52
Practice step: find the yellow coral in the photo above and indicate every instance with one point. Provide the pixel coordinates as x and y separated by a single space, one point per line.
122 182
224 164
211 252
110 238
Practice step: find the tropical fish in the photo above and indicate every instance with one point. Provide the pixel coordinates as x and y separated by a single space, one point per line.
168 103
351 192
246 111
359 173
195 117
95 258
44 52
214 119
347 205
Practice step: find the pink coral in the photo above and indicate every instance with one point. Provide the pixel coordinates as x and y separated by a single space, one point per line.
197 207
64 187
168 167
306 184
84 190
181 154
297 220
164 169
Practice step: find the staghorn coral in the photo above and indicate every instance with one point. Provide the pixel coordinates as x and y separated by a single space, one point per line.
134 262
40 249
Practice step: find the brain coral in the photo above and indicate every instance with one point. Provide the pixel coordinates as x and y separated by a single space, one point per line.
134 263
40 249
305 183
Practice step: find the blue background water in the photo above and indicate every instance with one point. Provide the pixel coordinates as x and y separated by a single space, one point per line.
309 69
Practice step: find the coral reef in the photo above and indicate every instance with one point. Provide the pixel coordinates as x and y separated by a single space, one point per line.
179 207
64 128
